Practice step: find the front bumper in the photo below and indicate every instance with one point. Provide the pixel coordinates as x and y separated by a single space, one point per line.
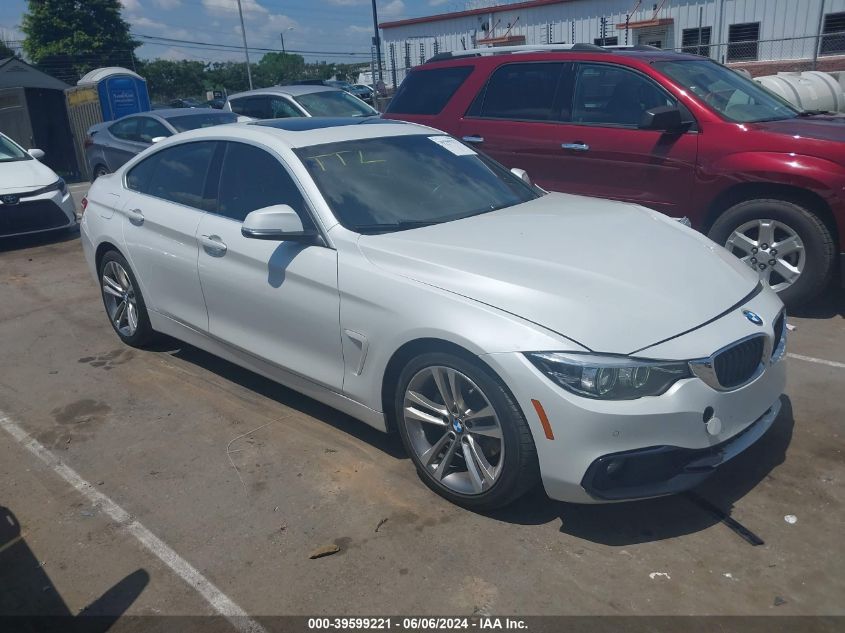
665 438
37 214
664 470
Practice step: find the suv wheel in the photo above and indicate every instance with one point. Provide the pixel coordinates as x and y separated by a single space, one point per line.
464 432
788 246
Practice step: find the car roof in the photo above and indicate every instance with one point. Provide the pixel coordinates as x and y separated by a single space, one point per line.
646 54
302 132
291 91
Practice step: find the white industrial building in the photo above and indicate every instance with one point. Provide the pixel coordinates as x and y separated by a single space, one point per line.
752 33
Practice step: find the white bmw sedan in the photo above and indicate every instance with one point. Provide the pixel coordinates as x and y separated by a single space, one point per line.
508 334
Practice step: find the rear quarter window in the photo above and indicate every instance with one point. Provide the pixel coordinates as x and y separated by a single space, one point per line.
428 91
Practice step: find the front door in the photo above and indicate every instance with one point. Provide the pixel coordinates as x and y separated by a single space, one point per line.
276 300
165 203
603 152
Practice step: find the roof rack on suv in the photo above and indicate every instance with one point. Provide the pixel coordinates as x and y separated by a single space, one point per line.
523 48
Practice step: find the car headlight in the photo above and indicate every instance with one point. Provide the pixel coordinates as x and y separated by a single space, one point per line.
60 185
609 377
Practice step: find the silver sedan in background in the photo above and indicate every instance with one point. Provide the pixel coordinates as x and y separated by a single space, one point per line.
112 143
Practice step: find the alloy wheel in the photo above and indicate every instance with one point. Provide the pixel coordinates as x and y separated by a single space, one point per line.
773 249
119 296
453 430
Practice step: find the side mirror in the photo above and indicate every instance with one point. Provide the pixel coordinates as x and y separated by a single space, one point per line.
37 154
663 119
279 222
521 174
158 139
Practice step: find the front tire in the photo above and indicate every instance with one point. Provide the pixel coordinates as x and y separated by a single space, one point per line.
789 247
123 301
464 432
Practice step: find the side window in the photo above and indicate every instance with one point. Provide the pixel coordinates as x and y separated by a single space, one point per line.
126 129
428 91
523 92
179 174
256 107
282 108
150 129
252 179
138 178
611 95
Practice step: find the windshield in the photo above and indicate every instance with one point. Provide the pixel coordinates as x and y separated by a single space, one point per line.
334 103
183 123
11 151
380 185
733 96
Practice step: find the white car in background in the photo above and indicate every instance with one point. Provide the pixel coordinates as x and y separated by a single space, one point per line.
392 272
308 100
33 199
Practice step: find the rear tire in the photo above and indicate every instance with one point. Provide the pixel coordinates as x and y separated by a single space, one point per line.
507 466
99 170
787 221
123 301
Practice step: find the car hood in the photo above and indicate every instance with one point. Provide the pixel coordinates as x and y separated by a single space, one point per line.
822 127
613 277
23 175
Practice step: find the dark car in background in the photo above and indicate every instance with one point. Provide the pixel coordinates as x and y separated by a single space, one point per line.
112 143
678 133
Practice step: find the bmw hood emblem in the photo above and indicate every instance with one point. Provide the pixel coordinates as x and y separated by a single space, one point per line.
753 317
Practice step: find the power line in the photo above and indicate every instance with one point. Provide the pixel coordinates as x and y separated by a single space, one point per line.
216 46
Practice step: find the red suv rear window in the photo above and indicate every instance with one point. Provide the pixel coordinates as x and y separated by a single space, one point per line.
428 91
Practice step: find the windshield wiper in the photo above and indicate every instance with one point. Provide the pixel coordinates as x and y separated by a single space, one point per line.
387 227
805 113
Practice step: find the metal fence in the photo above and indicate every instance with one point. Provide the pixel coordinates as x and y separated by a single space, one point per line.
815 52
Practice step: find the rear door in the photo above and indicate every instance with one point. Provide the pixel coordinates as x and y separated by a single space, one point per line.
168 195
122 142
603 153
515 118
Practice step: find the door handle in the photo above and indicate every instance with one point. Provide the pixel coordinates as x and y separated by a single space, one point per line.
578 146
473 139
135 216
213 244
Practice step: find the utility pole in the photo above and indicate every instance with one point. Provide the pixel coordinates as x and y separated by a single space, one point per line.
282 35
818 36
246 50
376 40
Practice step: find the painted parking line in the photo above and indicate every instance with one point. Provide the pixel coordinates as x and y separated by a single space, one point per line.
818 361
219 601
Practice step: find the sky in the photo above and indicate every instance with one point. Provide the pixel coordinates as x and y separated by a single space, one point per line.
335 26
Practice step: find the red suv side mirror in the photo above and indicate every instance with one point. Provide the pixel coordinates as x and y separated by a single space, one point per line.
663 118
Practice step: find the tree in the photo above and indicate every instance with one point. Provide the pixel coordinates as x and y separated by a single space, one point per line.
167 80
5 50
67 38
278 68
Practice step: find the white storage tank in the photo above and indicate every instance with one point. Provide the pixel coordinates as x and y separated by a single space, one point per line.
810 90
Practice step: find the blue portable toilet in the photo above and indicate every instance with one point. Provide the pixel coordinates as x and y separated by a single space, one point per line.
120 91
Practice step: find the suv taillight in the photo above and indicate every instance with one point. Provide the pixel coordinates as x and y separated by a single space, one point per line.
84 203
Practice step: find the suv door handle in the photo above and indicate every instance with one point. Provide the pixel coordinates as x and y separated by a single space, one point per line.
473 139
577 146
213 244
135 216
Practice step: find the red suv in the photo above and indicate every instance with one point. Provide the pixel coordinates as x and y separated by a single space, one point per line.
677 133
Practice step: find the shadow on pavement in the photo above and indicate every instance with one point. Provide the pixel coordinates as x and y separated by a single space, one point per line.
26 589
830 304
8 244
389 443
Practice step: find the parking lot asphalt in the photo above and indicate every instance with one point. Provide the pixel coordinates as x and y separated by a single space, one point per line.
241 479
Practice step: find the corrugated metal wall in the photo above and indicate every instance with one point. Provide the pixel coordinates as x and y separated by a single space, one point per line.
779 19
